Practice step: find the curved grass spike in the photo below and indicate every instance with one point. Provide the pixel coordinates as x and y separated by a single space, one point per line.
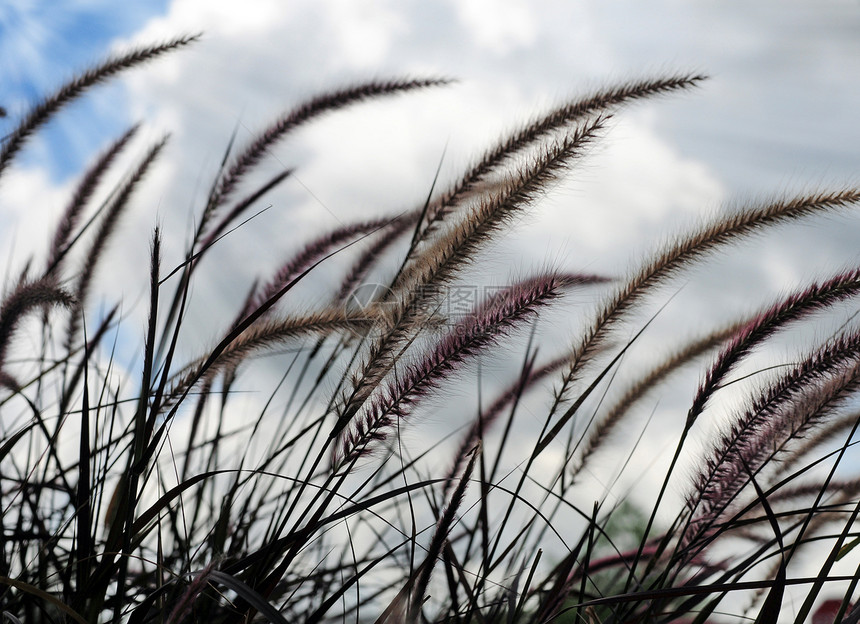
239 209
260 511
315 250
815 439
451 253
262 336
482 328
782 413
46 109
528 378
109 220
27 297
674 258
229 176
597 433
311 109
790 309
448 254
61 244
539 130
654 272
361 267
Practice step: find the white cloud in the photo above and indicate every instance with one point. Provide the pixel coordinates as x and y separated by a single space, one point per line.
218 17
362 31
28 193
636 187
660 167
500 26
262 57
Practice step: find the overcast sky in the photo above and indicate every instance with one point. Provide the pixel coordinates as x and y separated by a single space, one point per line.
780 113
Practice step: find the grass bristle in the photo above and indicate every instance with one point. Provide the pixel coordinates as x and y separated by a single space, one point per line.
289 473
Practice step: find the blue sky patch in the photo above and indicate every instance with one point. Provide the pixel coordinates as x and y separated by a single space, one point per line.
42 46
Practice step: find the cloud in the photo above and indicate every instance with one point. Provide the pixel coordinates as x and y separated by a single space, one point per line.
499 26
782 103
26 239
260 58
42 46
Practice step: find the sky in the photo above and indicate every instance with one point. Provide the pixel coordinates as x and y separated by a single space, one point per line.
41 46
778 115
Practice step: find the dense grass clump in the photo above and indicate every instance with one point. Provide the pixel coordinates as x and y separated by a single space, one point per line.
113 512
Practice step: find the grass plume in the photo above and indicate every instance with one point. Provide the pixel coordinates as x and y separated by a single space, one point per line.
292 471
